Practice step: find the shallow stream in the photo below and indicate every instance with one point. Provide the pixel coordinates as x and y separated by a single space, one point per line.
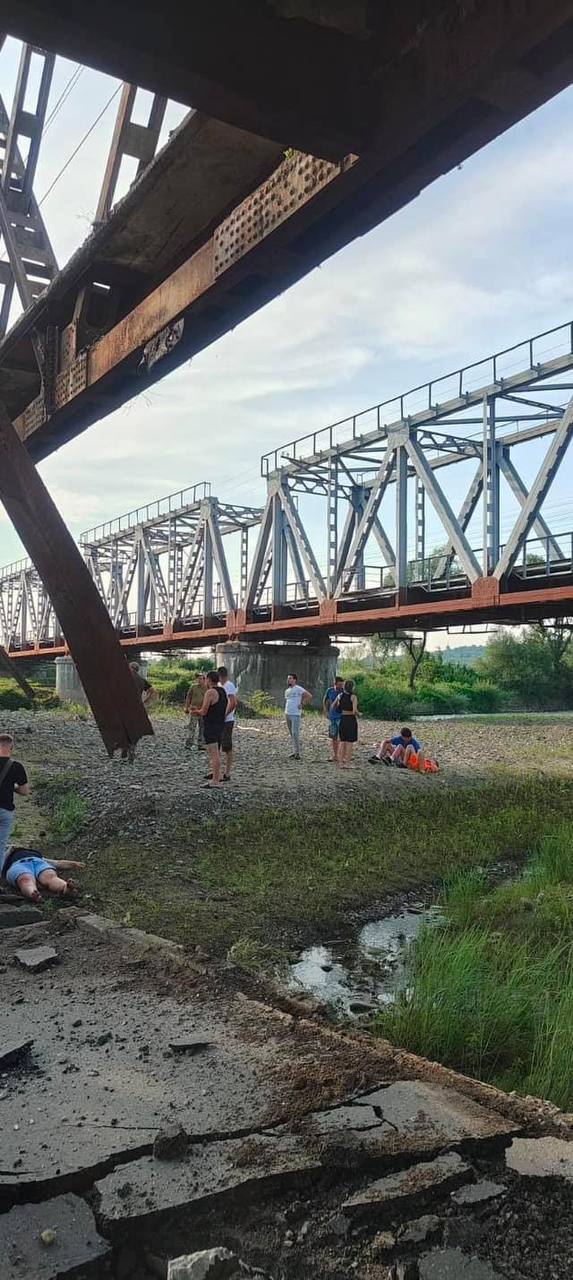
356 977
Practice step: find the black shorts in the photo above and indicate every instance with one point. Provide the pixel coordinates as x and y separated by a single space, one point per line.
227 736
348 731
213 735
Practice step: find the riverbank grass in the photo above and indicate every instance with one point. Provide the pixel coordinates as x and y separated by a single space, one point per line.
490 991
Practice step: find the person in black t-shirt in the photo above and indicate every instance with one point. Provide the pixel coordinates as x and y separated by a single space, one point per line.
13 778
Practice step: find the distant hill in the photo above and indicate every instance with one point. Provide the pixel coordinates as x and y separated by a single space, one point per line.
464 653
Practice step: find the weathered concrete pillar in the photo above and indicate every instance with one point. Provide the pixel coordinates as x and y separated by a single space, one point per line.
69 687
266 666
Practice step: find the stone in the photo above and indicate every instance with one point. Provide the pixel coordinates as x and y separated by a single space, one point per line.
36 958
224 1168
452 1264
338 1225
383 1242
397 1192
420 1229
171 1143
478 1192
12 917
405 1271
211 1264
189 1044
541 1158
13 1052
49 1240
431 1116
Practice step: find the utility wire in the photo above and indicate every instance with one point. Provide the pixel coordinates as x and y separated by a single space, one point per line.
79 146
66 91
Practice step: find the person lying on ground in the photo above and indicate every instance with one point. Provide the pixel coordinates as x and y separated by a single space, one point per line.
28 871
148 693
400 750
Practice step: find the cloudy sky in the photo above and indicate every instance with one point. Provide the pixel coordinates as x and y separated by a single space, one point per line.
476 263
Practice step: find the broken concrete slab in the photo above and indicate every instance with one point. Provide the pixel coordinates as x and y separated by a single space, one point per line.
13 1052
478 1193
420 1229
541 1158
430 1115
359 1119
145 1188
212 1264
171 1144
452 1264
15 916
36 958
398 1192
71 1243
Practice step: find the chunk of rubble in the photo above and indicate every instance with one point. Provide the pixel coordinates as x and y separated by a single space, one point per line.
36 958
171 1143
14 916
452 1264
478 1193
13 1052
212 1264
429 1115
420 1230
211 1171
541 1158
189 1044
66 1223
397 1192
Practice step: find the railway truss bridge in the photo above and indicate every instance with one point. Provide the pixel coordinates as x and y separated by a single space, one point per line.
330 552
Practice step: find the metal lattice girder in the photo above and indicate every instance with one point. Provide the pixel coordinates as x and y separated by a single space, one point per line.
466 512
92 640
302 542
130 139
219 555
520 492
444 511
31 259
537 494
347 567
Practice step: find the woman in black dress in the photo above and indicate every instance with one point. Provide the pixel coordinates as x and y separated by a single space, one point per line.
348 731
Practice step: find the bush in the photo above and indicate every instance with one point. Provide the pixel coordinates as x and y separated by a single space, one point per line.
486 697
442 699
12 697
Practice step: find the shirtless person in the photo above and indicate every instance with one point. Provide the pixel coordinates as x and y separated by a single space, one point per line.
26 869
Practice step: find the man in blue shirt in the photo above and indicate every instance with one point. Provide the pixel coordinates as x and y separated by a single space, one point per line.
332 713
403 750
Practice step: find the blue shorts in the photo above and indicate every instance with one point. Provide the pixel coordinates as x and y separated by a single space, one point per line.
334 728
27 867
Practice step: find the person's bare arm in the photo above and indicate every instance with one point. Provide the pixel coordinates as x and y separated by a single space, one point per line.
231 703
23 789
149 695
208 701
306 698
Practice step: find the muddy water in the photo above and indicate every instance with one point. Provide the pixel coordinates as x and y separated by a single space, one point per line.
357 976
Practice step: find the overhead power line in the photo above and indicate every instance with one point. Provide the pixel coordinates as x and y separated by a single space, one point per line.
79 146
66 91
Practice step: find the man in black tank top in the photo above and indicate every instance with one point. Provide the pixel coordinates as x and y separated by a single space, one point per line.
213 712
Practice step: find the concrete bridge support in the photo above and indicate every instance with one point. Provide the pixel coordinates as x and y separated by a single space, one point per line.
266 666
69 687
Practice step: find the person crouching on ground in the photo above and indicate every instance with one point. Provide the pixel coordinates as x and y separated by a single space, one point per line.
403 750
334 715
28 871
213 712
347 704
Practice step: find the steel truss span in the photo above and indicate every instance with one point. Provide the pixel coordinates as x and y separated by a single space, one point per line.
342 544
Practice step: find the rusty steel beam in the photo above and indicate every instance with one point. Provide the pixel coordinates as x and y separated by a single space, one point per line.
90 635
130 139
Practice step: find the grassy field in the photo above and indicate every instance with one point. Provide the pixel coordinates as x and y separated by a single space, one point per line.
491 990
273 878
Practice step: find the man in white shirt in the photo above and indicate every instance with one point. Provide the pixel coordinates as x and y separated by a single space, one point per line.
295 699
227 739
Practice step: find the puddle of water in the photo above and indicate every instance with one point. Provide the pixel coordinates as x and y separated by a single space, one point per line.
355 977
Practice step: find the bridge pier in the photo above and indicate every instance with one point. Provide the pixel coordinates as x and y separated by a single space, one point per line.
266 666
69 687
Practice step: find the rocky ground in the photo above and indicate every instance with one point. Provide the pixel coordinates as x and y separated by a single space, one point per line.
149 1110
166 783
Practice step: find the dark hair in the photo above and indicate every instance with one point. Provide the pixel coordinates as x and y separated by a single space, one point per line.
293 675
349 686
222 671
339 679
406 733
213 677
134 666
6 740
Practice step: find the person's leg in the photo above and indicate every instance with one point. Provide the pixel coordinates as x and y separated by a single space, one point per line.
201 745
7 817
53 882
215 762
333 733
397 756
296 735
227 750
26 885
421 761
289 724
192 727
